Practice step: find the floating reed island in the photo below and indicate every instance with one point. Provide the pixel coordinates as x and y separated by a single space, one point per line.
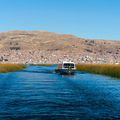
112 70
11 67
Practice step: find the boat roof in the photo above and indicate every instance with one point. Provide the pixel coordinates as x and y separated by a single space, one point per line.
68 62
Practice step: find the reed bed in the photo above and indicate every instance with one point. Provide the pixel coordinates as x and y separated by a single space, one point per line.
112 70
11 67
42 64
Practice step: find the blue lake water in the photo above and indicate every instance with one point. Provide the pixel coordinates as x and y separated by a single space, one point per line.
37 93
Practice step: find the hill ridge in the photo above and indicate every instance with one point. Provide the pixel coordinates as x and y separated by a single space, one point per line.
50 47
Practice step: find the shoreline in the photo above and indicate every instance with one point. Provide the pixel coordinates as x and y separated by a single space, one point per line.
5 68
112 70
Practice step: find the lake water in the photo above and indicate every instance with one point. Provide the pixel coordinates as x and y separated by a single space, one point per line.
37 93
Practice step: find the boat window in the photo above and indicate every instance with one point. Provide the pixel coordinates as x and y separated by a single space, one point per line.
68 65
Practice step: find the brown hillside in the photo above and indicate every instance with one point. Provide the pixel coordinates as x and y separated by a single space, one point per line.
27 43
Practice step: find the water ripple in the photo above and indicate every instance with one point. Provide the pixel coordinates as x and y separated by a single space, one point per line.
37 93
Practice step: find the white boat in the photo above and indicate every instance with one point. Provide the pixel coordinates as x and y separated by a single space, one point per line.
66 68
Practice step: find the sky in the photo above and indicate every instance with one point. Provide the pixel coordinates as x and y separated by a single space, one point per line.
94 19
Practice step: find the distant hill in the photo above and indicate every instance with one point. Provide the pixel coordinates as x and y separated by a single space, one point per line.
40 46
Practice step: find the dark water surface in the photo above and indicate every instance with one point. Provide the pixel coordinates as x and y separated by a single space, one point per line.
37 93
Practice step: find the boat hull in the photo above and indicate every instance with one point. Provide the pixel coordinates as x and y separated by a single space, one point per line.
65 71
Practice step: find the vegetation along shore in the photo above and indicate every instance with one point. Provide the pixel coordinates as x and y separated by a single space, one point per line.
11 67
112 70
104 69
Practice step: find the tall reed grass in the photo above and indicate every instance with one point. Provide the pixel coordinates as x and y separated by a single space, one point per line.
42 64
112 70
11 67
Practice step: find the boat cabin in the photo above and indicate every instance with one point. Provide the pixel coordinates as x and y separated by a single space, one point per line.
66 68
